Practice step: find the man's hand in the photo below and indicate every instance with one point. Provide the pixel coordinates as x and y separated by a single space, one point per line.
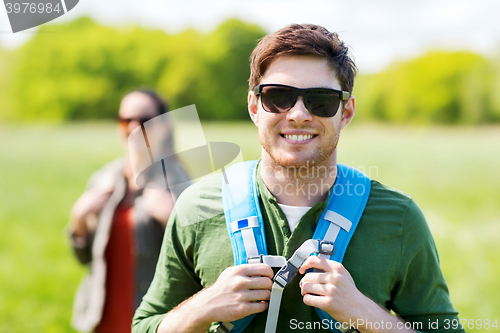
335 292
238 292
332 290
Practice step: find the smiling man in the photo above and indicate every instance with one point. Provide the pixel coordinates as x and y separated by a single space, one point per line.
300 100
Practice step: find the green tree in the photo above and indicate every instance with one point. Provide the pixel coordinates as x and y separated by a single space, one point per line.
212 70
439 87
80 70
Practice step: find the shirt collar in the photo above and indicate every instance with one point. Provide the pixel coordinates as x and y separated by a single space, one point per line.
265 194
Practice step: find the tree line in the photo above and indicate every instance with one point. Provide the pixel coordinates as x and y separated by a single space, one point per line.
439 87
81 69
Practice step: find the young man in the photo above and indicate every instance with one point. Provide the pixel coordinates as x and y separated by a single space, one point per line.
391 262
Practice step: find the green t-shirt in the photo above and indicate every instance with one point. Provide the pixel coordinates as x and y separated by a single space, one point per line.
391 257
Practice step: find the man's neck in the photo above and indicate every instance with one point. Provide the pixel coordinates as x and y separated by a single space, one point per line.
302 185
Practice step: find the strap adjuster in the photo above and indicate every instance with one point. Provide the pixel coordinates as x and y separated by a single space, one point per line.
286 274
325 247
260 258
225 327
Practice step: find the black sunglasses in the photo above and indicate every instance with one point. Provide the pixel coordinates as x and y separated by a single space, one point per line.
126 121
279 98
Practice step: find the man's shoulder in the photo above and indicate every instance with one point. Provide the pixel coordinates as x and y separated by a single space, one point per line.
381 190
390 202
201 201
391 217
208 188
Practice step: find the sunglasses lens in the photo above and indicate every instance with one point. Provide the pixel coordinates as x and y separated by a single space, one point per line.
277 99
322 103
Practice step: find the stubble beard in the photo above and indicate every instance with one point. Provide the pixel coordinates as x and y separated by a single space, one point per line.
319 163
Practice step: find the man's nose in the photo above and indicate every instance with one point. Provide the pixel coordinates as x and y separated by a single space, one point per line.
299 112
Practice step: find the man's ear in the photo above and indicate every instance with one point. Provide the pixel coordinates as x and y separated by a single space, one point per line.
348 113
253 107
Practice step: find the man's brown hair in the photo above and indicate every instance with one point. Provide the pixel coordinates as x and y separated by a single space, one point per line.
303 39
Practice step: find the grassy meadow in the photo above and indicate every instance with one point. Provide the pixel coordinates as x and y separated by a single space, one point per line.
452 173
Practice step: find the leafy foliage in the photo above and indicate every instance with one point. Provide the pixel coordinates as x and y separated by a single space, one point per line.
81 70
212 71
439 87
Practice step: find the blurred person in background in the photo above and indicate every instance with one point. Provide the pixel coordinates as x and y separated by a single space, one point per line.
117 227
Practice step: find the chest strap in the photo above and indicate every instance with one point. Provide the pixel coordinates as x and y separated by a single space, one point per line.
286 274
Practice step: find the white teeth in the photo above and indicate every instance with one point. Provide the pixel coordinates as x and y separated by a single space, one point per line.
300 137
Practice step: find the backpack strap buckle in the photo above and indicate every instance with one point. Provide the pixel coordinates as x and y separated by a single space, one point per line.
286 274
325 247
255 259
273 261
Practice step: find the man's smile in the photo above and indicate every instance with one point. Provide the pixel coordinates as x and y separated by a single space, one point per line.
298 137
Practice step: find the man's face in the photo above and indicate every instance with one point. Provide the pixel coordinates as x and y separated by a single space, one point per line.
280 134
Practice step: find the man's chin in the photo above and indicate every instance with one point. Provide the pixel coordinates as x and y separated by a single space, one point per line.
295 162
303 159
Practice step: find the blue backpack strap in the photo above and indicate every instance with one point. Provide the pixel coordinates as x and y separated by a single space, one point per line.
243 219
341 217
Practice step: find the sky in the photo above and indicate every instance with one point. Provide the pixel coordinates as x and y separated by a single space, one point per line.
378 32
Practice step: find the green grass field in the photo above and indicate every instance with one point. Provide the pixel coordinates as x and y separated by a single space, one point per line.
452 173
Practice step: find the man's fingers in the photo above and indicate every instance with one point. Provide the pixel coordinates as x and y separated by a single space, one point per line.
320 289
257 295
256 307
258 282
256 270
315 277
317 262
319 302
